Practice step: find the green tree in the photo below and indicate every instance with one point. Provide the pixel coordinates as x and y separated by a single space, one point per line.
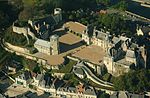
134 81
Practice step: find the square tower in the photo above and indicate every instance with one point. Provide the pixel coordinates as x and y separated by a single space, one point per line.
54 44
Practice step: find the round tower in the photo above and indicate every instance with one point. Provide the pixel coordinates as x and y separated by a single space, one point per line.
58 14
54 43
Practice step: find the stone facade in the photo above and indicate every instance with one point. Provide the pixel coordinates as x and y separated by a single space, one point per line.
120 51
45 25
49 48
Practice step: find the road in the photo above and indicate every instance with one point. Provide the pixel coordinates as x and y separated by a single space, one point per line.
94 78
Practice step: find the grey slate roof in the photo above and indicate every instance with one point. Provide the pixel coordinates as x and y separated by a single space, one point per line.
48 20
89 91
39 76
145 29
123 94
135 95
46 82
26 75
57 83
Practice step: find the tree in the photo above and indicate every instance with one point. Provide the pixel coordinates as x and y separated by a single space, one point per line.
26 14
4 19
103 95
134 81
121 5
105 2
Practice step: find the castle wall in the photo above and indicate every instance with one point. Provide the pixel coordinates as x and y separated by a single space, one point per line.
23 30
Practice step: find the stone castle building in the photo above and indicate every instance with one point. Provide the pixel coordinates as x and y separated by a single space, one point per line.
44 26
120 52
48 47
41 30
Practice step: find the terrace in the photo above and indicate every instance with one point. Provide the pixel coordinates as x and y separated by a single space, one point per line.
91 53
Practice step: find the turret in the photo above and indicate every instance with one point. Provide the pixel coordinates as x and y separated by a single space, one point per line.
58 14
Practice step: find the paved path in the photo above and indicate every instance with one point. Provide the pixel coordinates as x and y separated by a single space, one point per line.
95 79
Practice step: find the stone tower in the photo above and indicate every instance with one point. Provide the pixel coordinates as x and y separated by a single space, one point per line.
54 43
58 14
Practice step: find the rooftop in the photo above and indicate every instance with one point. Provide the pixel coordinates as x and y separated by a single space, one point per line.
26 75
42 43
145 29
48 20
89 91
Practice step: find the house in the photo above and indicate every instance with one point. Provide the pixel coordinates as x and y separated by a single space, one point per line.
46 83
124 94
14 66
24 79
37 78
48 47
79 91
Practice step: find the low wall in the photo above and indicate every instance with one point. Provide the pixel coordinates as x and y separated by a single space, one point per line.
23 30
23 52
16 48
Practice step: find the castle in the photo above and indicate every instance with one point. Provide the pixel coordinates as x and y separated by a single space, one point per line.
120 52
48 47
40 30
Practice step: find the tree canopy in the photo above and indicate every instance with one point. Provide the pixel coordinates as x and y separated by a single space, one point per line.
134 81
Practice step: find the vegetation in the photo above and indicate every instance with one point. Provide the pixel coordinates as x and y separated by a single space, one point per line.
71 78
27 63
134 81
67 68
14 38
17 39
122 5
21 23
9 12
37 69
103 95
107 77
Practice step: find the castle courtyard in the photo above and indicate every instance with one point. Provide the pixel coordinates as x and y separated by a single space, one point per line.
69 39
91 53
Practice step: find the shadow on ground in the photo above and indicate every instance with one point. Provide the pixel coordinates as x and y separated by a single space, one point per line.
66 47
